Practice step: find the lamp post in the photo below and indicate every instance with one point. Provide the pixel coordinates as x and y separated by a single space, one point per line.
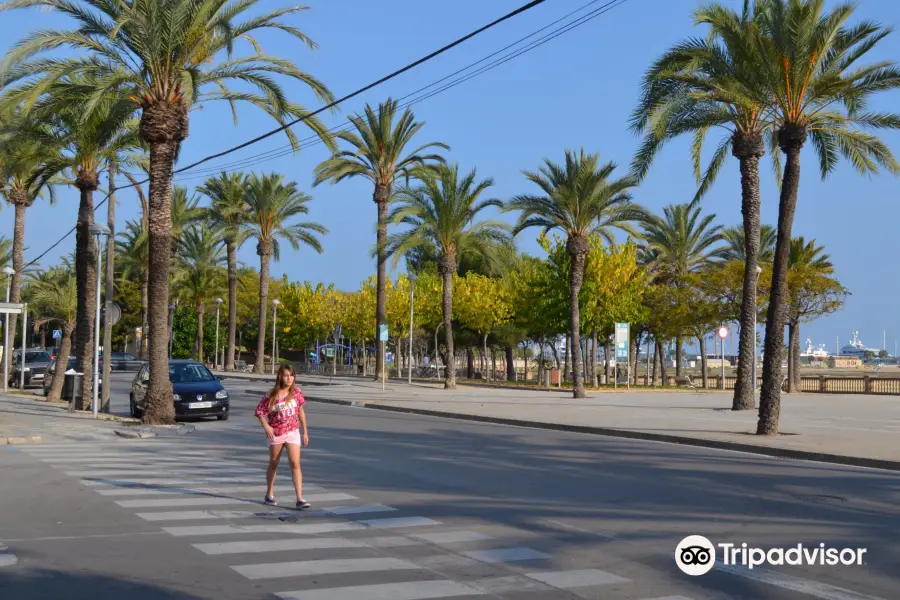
275 304
412 288
171 329
218 305
755 355
98 230
7 339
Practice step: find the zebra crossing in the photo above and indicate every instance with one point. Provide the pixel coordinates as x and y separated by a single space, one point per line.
346 547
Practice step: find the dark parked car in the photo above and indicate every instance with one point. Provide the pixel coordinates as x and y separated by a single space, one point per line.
197 392
36 363
124 361
70 365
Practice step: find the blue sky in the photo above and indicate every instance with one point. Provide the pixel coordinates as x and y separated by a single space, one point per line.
575 91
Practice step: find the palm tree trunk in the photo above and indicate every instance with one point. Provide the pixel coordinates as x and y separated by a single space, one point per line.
109 291
232 305
264 249
198 343
163 127
86 283
382 197
448 268
748 149
790 140
20 201
702 340
577 247
62 359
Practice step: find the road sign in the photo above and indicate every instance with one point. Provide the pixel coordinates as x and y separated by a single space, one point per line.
57 333
622 337
723 332
115 312
329 352
383 333
11 308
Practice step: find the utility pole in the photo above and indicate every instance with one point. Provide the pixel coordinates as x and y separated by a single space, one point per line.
110 288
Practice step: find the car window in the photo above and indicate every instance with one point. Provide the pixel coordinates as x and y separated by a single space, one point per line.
189 373
144 375
33 357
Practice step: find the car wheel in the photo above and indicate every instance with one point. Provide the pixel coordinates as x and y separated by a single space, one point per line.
222 417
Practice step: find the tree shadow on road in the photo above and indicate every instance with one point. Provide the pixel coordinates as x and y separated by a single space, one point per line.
34 584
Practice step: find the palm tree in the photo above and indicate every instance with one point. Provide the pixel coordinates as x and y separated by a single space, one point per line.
703 85
168 56
579 199
272 204
186 211
736 246
87 143
57 300
677 244
379 153
228 212
199 276
807 262
815 89
21 186
6 246
442 214
132 262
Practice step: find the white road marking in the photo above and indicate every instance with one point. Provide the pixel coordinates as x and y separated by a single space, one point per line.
451 537
323 567
211 501
499 555
577 578
411 590
398 522
180 471
278 545
201 491
288 528
355 510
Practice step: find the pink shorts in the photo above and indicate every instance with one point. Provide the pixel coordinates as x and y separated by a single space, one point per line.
292 437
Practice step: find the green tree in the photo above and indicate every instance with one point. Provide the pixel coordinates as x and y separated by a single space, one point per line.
228 212
57 300
484 304
273 203
710 85
813 87
133 249
814 292
379 153
442 213
198 279
736 246
168 56
579 199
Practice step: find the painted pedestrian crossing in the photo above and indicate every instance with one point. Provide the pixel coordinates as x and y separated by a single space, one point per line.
346 547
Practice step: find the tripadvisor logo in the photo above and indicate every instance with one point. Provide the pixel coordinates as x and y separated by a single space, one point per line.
696 555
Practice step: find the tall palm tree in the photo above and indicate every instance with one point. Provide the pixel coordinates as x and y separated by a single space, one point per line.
186 211
815 90
57 300
133 259
704 85
679 243
736 246
199 276
272 204
87 143
168 56
379 153
442 214
580 199
229 212
21 186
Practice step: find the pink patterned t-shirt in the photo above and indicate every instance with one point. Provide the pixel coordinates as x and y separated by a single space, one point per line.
284 416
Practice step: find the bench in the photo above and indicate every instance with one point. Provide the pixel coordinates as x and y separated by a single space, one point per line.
684 381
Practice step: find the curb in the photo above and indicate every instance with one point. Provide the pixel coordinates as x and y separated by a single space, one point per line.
853 461
143 432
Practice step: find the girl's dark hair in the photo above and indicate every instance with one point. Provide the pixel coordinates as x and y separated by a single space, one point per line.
273 393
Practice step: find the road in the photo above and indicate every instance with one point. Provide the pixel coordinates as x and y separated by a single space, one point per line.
406 506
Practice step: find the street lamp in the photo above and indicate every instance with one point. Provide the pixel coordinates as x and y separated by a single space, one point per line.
755 355
171 329
275 304
9 272
98 230
412 288
218 305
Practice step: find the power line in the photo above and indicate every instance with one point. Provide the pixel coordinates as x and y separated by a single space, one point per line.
259 138
315 140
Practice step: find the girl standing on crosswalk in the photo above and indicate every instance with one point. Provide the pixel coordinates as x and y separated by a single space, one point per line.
281 414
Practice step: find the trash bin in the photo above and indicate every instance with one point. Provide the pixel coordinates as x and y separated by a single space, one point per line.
72 386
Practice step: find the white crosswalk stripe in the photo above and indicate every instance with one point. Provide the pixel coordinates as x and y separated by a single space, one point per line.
412 590
221 489
166 502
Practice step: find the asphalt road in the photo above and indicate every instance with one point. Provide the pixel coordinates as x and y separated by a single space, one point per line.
473 509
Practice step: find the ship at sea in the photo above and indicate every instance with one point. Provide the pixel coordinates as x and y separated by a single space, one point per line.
811 354
856 348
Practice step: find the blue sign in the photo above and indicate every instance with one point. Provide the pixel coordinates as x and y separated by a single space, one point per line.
383 333
622 339
57 333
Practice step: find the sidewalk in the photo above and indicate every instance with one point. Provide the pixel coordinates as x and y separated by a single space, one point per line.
845 429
